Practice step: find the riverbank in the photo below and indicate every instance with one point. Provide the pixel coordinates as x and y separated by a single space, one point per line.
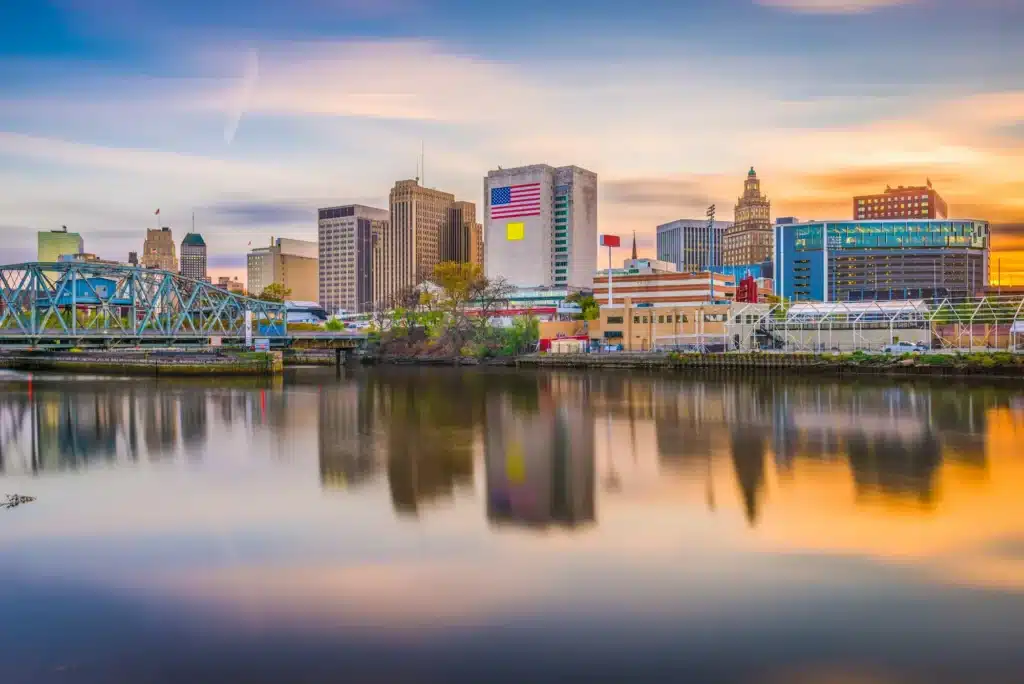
148 363
936 365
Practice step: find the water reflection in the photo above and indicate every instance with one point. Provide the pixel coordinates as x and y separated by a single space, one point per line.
539 438
442 520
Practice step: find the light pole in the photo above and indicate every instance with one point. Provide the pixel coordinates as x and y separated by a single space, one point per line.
711 250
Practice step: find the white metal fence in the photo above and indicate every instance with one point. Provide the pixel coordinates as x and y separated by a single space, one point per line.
974 324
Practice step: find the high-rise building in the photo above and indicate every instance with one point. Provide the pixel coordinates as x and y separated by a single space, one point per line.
749 240
540 226
53 244
193 256
410 244
836 261
287 262
462 236
346 245
691 243
158 249
896 203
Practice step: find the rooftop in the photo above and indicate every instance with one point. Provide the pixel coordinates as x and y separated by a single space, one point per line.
193 240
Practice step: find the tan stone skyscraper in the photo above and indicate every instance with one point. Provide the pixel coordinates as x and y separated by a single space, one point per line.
749 239
410 245
158 250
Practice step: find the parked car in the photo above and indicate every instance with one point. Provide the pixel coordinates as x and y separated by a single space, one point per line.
904 348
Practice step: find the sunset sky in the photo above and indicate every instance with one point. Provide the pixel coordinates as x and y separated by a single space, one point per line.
252 114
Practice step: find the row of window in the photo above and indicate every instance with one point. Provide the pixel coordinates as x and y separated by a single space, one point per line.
667 318
891 200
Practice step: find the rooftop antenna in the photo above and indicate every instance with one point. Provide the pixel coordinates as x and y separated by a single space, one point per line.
423 164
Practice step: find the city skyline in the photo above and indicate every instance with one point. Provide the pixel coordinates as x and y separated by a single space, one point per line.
99 126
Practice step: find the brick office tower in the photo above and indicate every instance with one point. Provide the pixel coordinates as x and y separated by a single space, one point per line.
921 202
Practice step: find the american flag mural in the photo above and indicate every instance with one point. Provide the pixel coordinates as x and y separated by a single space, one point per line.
515 201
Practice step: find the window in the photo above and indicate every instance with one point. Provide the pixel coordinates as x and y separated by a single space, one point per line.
661 319
645 319
681 318
636 319
714 318
613 333
613 320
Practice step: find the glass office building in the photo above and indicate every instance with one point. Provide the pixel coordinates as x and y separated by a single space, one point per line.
836 261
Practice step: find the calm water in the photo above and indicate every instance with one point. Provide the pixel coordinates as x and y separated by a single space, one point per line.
413 525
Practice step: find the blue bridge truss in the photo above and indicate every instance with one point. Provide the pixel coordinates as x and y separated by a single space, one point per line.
87 304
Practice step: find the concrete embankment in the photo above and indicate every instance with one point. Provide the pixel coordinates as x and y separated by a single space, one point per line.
938 365
151 363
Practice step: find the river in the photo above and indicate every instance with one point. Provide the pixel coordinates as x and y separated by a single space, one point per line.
446 525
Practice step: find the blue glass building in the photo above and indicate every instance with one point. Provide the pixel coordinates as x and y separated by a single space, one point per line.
881 260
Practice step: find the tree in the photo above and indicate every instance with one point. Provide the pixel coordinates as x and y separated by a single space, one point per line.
591 310
275 292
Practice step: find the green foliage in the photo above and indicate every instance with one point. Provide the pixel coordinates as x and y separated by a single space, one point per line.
935 360
524 333
305 327
334 325
275 292
591 310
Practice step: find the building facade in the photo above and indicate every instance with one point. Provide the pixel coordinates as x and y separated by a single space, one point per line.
838 261
410 245
749 239
193 256
287 262
84 258
663 288
462 236
901 203
345 236
232 285
691 244
540 226
158 250
642 326
53 244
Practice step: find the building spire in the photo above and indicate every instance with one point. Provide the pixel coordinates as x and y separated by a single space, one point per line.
634 245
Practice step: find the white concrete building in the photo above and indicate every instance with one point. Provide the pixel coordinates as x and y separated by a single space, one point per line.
288 262
345 239
540 226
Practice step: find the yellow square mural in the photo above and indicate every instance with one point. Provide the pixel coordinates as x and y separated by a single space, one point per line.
514 231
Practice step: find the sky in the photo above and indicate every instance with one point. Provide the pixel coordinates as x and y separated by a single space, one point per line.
251 115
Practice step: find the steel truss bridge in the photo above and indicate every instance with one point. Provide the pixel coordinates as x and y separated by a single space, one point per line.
90 304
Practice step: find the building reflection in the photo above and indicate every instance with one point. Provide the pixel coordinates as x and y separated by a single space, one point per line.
894 438
743 441
346 435
429 437
49 429
539 455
